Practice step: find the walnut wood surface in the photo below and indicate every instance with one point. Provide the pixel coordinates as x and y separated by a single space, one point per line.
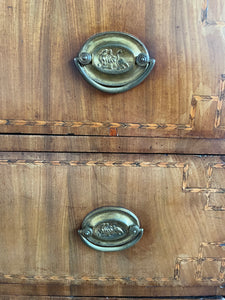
41 92
46 143
56 289
178 199
67 298
87 298
46 106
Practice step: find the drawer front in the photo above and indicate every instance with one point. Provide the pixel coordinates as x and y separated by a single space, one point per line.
179 201
42 92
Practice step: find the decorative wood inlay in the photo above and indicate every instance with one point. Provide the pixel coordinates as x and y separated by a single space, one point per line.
219 99
37 117
74 124
220 104
207 188
92 163
211 207
125 125
199 260
136 164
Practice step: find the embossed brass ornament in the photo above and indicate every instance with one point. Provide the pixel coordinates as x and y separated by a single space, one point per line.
110 229
114 62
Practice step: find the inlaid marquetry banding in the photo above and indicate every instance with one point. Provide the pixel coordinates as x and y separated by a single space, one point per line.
90 163
69 279
140 125
198 260
207 190
130 125
123 125
135 164
75 280
90 124
220 103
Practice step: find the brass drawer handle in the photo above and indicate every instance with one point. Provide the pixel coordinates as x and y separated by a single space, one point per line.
110 229
114 62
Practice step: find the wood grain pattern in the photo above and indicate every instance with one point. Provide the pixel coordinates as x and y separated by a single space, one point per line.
53 289
87 298
90 298
50 194
48 143
41 298
41 92
64 151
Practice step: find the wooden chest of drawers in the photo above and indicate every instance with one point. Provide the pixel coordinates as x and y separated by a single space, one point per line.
67 148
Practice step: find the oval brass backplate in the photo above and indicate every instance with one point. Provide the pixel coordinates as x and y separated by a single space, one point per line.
110 228
114 62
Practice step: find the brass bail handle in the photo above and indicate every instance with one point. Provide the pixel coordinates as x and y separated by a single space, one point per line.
114 62
110 228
